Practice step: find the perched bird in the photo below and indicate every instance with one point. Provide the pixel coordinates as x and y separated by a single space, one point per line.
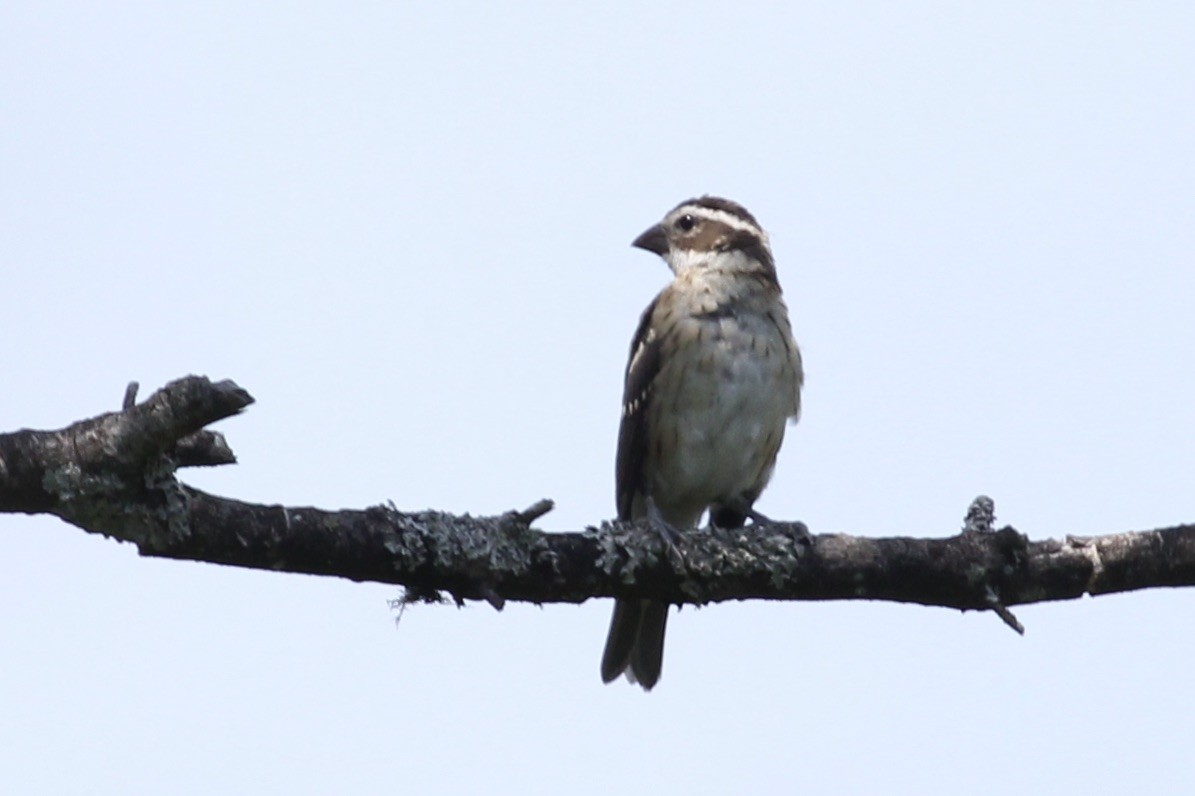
714 374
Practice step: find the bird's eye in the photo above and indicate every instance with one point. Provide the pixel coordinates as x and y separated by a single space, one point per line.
686 223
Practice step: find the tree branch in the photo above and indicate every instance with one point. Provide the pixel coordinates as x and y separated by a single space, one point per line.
115 475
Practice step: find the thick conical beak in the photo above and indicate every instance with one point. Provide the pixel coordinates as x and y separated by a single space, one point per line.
653 240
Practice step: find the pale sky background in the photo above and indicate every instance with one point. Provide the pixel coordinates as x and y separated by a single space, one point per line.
405 229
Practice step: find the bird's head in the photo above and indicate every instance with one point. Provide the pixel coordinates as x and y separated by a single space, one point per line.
709 232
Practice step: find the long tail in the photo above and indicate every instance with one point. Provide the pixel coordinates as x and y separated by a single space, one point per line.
636 642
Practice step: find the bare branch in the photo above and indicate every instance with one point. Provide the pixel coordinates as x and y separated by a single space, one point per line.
115 475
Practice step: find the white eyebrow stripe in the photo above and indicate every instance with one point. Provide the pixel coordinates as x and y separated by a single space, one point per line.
729 219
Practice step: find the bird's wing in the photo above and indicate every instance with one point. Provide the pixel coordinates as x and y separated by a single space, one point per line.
792 355
642 367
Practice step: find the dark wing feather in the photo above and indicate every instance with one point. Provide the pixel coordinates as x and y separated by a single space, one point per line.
642 367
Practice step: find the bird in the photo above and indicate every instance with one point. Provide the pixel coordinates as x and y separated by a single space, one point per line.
713 378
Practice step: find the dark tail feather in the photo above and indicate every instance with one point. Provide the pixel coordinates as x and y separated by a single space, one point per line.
636 641
620 641
647 659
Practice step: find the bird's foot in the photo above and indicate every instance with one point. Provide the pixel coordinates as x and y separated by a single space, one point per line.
733 514
668 533
756 517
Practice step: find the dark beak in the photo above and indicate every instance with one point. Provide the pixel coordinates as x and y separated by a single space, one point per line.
654 240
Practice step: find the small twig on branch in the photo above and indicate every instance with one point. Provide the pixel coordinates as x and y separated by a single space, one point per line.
1006 615
981 516
200 449
981 519
536 510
